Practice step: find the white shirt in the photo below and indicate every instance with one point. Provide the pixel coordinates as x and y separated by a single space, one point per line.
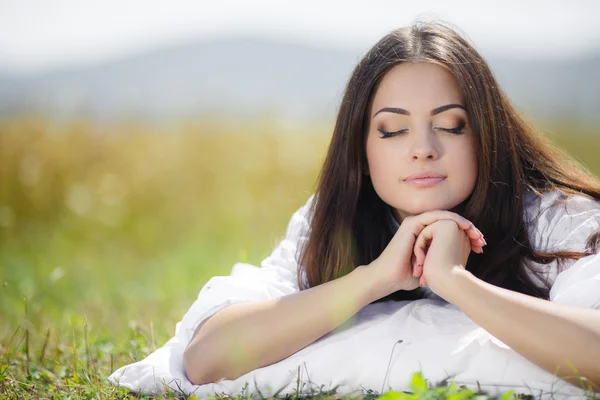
436 337
554 223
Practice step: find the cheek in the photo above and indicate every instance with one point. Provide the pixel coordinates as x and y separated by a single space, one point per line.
380 161
466 163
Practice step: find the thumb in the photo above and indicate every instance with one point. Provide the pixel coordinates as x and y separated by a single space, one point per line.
420 248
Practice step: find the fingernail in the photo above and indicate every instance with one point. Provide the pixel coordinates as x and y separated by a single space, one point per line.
484 241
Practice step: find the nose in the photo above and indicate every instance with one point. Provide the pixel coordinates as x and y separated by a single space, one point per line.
424 146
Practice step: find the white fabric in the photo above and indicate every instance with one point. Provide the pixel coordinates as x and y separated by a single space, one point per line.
427 335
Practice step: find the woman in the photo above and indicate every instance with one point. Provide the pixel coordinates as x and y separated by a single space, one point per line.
427 157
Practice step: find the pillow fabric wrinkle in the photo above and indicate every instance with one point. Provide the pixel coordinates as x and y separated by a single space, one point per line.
580 284
435 334
557 222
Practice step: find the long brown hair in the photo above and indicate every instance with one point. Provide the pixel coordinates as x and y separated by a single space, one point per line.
350 223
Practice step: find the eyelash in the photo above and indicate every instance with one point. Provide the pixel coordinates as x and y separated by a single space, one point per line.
456 131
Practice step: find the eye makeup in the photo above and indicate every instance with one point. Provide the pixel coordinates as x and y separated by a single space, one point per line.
386 134
458 130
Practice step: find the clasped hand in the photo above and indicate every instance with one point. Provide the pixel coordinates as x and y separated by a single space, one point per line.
426 249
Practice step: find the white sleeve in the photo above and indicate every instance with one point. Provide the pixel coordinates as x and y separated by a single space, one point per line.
580 284
559 223
563 225
276 277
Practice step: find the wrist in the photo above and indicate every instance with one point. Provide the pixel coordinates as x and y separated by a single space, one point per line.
456 285
373 284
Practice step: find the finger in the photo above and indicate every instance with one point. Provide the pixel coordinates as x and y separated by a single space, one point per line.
414 263
422 243
420 257
477 239
476 249
420 248
429 217
476 245
473 237
418 271
473 233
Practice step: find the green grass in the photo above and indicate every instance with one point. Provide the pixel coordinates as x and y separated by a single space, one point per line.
107 233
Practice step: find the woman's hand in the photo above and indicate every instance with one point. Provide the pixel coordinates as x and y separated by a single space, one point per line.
443 248
398 263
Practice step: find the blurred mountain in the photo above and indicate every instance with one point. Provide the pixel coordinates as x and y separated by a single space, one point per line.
249 76
554 90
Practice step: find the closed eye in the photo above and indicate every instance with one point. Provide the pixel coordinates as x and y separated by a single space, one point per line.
386 134
457 131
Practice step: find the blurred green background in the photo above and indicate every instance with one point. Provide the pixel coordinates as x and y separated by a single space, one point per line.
125 222
143 152
109 231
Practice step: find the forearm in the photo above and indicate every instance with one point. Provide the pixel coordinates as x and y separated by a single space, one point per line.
557 337
243 337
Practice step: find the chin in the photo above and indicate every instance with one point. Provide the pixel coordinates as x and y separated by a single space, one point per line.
419 207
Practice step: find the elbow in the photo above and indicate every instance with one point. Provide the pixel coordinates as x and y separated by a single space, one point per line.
194 371
198 370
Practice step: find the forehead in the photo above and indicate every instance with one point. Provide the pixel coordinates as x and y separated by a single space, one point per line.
417 87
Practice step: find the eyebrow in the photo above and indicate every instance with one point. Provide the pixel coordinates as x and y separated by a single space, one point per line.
435 111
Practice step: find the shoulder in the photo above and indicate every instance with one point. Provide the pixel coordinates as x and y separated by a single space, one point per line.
558 221
301 219
299 226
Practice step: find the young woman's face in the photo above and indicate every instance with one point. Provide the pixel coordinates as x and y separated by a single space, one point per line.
420 147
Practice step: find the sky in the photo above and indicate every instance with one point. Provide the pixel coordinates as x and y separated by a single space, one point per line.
40 35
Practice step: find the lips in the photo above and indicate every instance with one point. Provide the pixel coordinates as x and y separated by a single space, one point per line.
425 175
425 179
